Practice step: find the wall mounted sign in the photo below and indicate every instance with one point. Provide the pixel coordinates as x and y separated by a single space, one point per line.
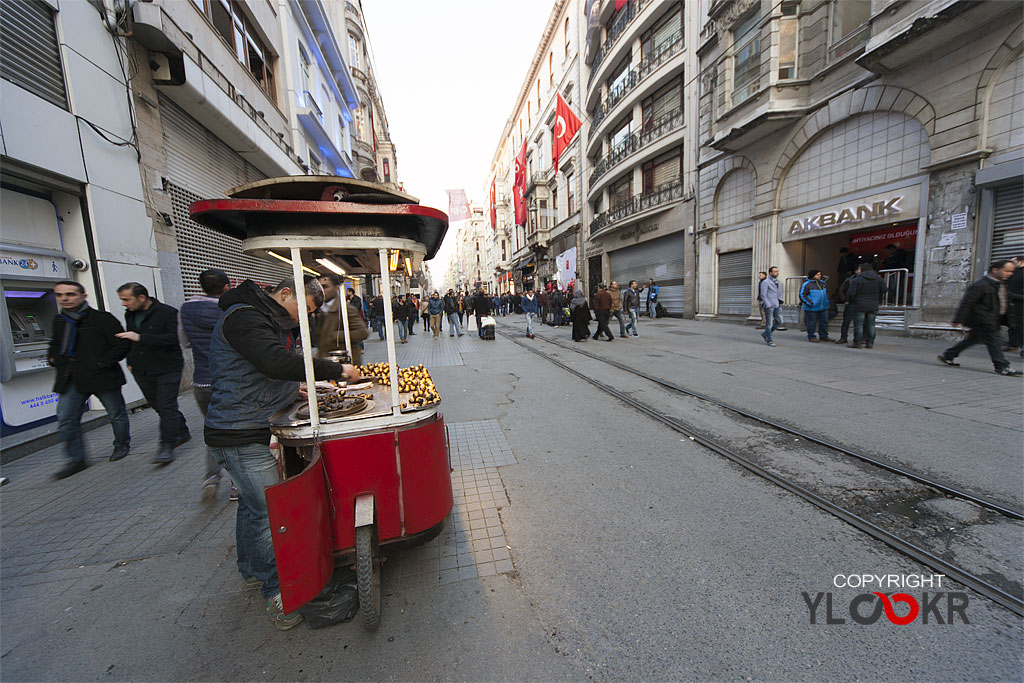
887 207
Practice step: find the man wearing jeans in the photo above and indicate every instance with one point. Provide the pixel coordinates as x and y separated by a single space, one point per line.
85 351
865 295
631 304
771 301
451 311
814 298
531 308
255 372
155 361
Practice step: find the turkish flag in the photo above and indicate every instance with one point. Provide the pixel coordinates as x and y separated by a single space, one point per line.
619 4
519 186
566 125
494 210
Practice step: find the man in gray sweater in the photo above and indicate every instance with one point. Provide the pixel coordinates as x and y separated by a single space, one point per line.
771 300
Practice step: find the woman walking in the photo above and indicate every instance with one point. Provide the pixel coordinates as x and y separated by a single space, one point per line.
579 313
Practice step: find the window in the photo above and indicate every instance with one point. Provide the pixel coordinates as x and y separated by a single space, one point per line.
538 97
850 28
621 133
570 193
360 124
551 68
621 191
543 210
504 254
29 56
746 57
353 51
242 38
665 33
787 40
663 103
662 171
565 36
387 170
618 82
554 203
304 65
314 164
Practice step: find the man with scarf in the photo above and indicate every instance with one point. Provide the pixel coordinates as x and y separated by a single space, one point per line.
85 351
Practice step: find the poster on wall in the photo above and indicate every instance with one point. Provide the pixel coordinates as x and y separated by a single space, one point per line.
566 263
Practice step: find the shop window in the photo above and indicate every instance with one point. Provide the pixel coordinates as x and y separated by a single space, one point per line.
849 28
787 40
746 57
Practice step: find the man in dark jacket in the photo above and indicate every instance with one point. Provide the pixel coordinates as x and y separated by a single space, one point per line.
864 295
1015 306
980 310
255 372
603 311
198 316
85 350
156 362
481 307
451 311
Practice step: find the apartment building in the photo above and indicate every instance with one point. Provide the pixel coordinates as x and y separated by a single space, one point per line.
859 124
553 220
640 154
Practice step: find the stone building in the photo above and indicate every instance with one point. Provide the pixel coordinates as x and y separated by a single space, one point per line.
553 199
640 161
859 124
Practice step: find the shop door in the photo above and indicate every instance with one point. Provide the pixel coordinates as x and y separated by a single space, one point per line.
593 274
661 259
1008 222
735 285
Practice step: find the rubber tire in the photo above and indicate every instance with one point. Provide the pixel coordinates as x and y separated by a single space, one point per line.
368 576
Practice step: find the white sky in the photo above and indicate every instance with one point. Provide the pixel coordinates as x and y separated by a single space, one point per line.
449 74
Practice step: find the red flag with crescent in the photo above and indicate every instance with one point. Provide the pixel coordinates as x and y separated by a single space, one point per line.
566 126
494 209
519 186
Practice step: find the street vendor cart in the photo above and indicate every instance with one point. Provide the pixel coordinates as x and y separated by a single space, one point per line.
365 465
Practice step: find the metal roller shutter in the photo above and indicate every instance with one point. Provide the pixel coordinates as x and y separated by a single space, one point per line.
1008 222
201 166
29 56
661 259
735 284
668 32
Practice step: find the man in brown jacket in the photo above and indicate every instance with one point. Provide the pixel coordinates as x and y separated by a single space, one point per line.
602 309
616 309
330 336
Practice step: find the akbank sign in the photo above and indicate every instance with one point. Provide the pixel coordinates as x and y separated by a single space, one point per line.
889 207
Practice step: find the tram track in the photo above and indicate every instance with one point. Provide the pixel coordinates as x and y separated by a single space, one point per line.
997 580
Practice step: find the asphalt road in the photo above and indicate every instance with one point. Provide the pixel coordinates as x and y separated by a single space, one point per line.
636 555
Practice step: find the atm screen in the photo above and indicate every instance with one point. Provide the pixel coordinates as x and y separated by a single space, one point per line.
20 294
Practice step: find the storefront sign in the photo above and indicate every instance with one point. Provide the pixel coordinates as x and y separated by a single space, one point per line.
636 232
32 265
888 207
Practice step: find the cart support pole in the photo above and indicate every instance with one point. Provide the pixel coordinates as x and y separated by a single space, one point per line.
307 347
343 302
385 285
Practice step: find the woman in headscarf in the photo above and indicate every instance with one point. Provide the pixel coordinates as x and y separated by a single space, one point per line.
579 313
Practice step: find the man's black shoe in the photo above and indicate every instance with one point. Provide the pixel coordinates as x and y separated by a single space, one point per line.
164 455
119 452
183 439
69 469
1007 372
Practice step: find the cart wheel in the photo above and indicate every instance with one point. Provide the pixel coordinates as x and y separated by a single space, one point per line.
368 576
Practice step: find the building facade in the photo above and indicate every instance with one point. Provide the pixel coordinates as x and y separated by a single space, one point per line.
641 164
862 124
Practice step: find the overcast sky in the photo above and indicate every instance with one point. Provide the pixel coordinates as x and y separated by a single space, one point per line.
449 73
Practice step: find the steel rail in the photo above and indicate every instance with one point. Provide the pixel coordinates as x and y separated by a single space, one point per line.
963 576
947 489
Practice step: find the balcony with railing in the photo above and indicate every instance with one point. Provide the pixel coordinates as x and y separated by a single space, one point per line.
662 54
659 128
660 196
630 13
535 179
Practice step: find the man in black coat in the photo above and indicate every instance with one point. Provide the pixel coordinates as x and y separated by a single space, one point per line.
864 295
980 311
155 361
481 307
85 351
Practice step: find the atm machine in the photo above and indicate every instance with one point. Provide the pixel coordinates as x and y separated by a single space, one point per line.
27 304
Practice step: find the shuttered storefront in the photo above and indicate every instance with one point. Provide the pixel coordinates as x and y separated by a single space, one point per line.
29 56
201 166
1008 222
661 259
735 284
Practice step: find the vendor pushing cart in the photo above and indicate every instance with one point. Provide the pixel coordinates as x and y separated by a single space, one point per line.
365 462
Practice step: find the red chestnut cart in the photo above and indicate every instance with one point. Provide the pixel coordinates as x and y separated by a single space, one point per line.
358 482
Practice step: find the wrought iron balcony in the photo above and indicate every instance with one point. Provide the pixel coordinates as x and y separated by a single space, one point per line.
618 28
666 51
663 194
659 128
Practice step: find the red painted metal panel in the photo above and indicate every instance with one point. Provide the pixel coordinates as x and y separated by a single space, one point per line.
304 549
363 464
203 206
426 475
